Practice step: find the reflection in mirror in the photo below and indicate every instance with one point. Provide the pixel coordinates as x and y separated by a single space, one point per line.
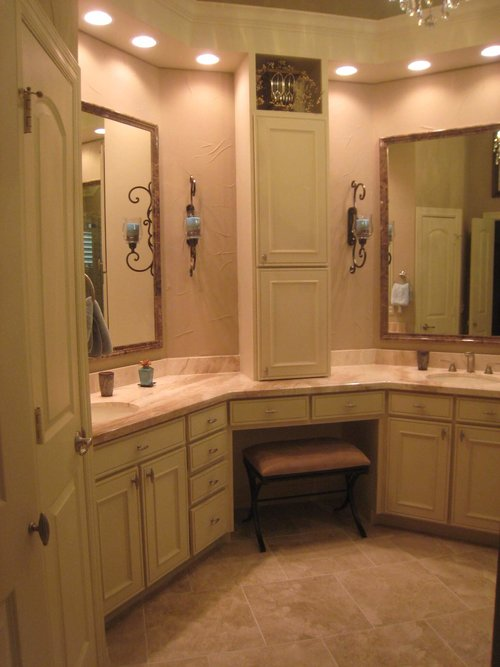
440 236
120 194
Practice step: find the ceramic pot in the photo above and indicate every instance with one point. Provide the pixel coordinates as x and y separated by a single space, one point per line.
146 376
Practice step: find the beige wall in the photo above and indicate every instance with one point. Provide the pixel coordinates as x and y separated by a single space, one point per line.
195 114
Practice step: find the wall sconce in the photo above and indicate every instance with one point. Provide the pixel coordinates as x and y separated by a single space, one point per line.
359 229
193 227
132 231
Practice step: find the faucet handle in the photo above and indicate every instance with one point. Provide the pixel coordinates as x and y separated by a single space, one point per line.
452 368
489 368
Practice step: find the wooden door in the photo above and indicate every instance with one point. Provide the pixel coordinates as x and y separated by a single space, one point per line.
52 207
476 492
293 339
481 276
166 529
418 458
438 262
291 190
120 537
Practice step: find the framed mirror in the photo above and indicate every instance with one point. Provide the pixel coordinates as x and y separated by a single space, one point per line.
121 204
440 236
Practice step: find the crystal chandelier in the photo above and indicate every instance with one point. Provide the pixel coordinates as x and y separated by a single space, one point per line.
422 9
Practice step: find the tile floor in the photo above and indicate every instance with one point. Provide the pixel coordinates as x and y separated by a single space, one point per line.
320 597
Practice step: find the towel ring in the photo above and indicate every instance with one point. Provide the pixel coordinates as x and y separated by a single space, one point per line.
90 285
402 275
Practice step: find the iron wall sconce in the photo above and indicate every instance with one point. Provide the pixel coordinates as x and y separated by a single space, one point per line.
132 231
359 229
192 227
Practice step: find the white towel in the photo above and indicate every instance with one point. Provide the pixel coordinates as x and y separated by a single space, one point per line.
400 294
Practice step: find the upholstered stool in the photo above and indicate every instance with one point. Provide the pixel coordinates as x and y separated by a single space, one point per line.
308 457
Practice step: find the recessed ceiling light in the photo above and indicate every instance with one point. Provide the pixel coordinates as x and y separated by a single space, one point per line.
419 65
97 17
100 130
491 51
346 70
144 41
207 59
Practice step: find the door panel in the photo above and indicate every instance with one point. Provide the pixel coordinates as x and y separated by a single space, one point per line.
51 216
481 276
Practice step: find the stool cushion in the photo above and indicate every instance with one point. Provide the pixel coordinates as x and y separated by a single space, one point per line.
308 455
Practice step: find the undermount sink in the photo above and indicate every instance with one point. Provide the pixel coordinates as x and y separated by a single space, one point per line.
103 412
455 379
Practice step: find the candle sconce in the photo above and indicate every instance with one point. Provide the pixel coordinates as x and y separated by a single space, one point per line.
359 229
132 231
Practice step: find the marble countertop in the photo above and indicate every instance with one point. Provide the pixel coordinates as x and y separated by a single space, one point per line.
175 395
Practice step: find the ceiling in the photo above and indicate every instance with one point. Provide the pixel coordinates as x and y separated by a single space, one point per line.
371 34
366 9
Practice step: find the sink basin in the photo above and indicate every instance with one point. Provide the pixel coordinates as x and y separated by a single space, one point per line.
464 379
104 412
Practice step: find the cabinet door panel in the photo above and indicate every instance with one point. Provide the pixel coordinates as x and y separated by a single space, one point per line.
291 190
418 463
120 537
294 323
165 514
476 491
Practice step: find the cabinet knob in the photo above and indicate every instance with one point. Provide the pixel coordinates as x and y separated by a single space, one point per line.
214 520
142 448
350 405
270 411
212 420
135 480
151 474
213 482
213 450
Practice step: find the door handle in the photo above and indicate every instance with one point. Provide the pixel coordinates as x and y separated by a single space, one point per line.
42 528
82 443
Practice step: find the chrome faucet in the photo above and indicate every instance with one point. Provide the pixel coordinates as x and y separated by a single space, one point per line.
471 362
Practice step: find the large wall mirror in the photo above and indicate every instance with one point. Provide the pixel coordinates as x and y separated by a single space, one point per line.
440 235
121 225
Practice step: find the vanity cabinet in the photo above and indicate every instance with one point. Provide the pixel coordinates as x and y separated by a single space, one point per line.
142 510
210 479
476 488
418 456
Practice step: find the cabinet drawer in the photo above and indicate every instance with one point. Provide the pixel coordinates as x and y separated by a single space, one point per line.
478 410
208 482
138 446
269 410
207 451
205 421
348 405
209 521
421 405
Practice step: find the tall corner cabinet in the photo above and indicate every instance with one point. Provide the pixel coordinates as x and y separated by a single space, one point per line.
284 279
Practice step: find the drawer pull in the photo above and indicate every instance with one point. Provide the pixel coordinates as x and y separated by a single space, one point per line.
490 413
270 411
213 482
142 448
462 436
151 474
350 405
135 480
418 406
443 434
213 450
214 521
212 420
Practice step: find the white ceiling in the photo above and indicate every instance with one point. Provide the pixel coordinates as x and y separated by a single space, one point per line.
381 46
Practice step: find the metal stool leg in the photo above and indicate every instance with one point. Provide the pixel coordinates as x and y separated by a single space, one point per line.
351 480
255 487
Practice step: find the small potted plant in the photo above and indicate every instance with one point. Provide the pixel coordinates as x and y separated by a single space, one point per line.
146 374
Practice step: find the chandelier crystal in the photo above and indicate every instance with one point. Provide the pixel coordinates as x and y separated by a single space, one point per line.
422 9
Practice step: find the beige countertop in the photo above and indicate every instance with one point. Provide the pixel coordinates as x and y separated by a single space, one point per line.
176 395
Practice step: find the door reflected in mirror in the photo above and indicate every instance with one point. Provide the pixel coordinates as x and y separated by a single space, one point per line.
120 185
440 235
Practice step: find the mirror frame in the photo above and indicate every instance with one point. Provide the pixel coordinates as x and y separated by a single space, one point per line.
155 216
384 144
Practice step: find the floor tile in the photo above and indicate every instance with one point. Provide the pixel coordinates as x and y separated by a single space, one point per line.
398 592
470 575
469 634
419 545
303 609
410 644
319 563
126 639
188 625
383 550
311 653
